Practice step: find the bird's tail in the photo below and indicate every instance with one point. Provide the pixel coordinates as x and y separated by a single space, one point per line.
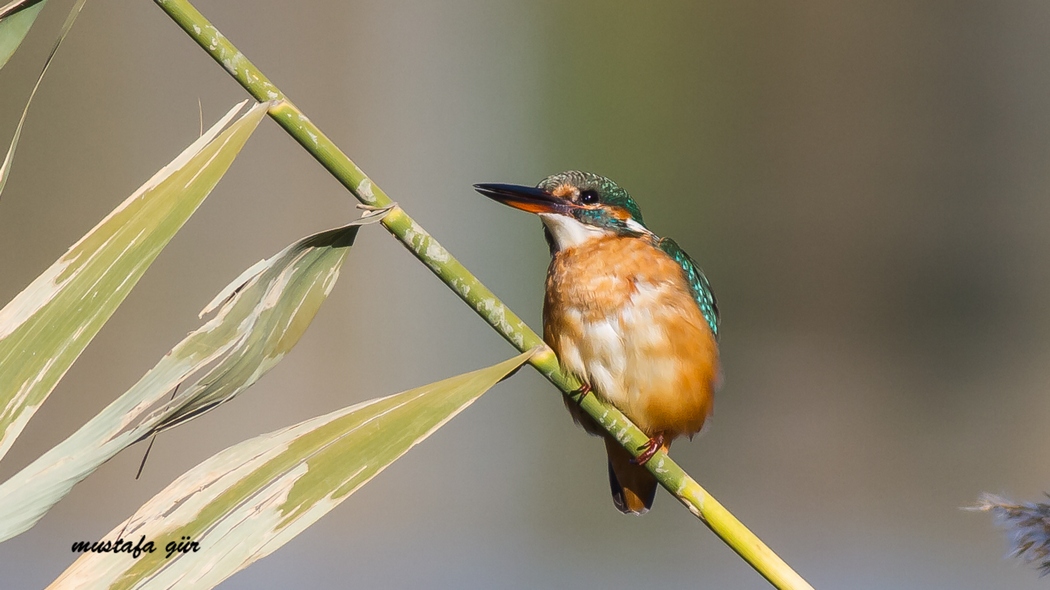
633 487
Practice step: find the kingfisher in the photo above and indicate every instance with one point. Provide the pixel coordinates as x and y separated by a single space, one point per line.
628 313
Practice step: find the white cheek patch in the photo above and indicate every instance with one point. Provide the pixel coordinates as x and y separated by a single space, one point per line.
569 233
637 227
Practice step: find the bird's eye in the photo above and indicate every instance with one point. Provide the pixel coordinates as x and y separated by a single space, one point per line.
589 197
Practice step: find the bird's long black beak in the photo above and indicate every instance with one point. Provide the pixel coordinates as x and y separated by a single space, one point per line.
526 198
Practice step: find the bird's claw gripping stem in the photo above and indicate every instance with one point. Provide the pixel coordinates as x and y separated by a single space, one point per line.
650 447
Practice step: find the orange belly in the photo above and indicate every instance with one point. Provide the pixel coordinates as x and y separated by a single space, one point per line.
620 315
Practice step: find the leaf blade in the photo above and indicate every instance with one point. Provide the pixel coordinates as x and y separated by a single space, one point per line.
46 326
248 500
262 315
74 12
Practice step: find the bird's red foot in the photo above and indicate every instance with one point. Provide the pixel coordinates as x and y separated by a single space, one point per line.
581 391
651 446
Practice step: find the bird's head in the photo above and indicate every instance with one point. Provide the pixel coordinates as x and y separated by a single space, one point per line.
575 207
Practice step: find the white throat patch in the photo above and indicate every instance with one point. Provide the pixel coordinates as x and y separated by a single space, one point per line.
569 233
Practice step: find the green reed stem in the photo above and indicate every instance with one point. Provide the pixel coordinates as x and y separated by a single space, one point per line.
476 295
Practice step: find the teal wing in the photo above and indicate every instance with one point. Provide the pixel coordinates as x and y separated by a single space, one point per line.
705 297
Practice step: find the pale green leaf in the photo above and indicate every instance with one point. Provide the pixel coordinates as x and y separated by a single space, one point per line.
261 315
46 326
14 28
247 501
270 306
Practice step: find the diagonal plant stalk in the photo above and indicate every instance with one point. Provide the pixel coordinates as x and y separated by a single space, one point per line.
476 295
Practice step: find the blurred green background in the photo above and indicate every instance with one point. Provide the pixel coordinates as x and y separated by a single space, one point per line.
865 185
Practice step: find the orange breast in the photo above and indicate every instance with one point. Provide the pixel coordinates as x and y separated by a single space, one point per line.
620 315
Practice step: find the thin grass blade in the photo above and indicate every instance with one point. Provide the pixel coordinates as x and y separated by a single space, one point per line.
5 168
247 501
46 326
259 317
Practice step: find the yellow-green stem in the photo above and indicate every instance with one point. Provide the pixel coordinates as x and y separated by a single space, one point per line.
476 295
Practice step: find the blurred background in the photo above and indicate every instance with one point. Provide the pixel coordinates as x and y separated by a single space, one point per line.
865 185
